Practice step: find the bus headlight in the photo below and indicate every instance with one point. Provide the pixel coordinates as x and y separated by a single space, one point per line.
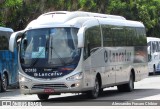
23 79
77 76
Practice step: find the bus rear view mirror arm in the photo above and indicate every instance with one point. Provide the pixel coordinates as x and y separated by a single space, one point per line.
80 35
12 40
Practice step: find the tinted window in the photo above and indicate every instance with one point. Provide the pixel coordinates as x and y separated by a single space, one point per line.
154 46
107 36
142 36
113 36
4 40
130 34
119 36
92 40
3 43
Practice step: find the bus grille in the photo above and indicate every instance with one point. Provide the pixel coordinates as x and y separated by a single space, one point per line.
54 86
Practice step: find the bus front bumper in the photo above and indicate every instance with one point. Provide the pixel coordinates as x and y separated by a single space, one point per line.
51 87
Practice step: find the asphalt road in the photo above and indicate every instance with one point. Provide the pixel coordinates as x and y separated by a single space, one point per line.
147 89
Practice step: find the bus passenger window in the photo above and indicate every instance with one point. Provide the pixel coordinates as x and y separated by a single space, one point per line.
119 36
4 43
129 36
92 41
107 36
142 36
154 47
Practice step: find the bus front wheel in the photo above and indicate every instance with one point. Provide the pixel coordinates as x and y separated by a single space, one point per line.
4 83
43 96
95 92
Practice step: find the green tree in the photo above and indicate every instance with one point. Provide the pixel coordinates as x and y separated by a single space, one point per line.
145 11
8 13
18 13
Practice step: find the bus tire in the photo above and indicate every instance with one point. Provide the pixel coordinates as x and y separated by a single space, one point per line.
4 83
95 92
43 96
154 70
128 87
101 91
0 85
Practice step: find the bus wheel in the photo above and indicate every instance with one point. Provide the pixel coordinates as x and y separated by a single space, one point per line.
4 83
43 96
0 84
154 70
128 87
95 92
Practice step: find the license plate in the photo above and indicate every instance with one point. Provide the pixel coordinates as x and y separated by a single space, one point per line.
48 90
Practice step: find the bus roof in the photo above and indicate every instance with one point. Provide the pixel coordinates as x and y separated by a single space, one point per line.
152 39
77 19
6 29
69 15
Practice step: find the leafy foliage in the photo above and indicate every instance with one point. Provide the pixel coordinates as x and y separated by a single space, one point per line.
18 13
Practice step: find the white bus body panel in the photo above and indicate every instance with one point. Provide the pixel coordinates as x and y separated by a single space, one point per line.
112 72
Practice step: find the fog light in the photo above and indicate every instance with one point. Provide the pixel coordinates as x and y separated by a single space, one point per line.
24 87
77 85
22 79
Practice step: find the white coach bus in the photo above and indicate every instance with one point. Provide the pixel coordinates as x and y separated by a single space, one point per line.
80 52
153 54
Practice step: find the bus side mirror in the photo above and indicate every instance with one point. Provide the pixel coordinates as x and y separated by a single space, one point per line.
81 35
13 40
149 50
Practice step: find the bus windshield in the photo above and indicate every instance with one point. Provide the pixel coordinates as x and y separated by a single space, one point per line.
49 47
